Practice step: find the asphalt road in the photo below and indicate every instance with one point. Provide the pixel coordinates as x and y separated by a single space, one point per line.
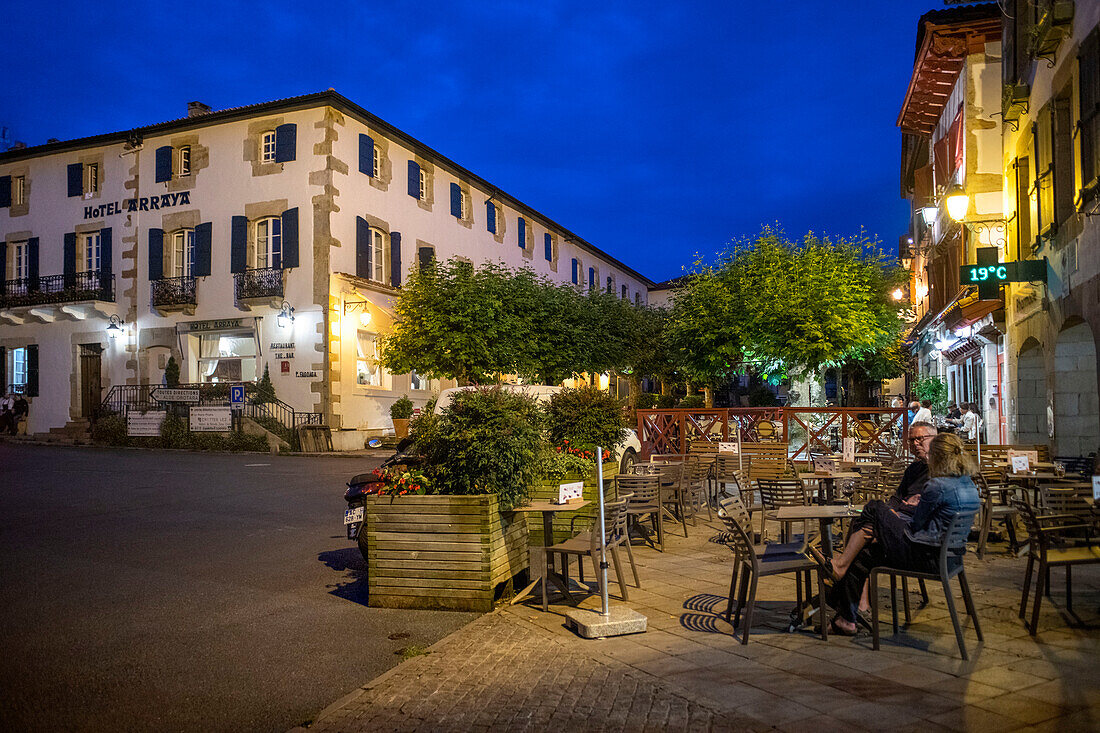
179 591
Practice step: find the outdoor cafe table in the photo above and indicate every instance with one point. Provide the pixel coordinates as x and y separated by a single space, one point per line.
548 509
1031 481
825 514
828 482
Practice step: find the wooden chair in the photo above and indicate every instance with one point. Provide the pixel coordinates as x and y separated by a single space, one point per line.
587 544
952 550
1049 548
764 431
644 501
696 488
726 468
752 562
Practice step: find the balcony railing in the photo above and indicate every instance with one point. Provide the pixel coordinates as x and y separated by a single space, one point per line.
259 283
48 289
173 291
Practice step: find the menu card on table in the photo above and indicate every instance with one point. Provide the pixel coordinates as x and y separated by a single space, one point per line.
729 448
823 464
848 454
1020 464
570 492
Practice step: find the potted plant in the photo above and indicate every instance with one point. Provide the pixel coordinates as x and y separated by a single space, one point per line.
445 536
400 412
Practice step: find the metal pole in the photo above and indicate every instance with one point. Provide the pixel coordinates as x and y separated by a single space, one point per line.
603 533
978 436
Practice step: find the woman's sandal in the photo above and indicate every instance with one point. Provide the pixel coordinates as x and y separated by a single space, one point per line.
834 629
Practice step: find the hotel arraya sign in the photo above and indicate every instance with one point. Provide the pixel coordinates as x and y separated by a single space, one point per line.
142 203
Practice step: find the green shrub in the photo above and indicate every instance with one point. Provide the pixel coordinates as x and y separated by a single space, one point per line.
693 401
487 440
584 418
646 400
243 442
558 464
174 432
762 397
935 389
666 402
402 409
111 430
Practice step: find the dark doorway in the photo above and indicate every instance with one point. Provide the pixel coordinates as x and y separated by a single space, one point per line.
91 383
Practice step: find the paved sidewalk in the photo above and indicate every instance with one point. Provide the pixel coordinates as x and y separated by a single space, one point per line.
520 669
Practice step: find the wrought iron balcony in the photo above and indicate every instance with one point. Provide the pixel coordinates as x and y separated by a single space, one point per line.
48 289
171 291
259 283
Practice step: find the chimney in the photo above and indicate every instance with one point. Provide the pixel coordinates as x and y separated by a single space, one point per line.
195 109
52 140
19 145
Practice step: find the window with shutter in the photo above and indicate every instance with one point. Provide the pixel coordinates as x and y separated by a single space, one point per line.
521 235
591 278
456 200
366 156
576 272
286 143
267 147
548 247
1088 68
163 159
491 217
414 180
5 191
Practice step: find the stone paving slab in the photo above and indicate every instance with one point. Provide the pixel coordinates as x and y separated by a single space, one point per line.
520 668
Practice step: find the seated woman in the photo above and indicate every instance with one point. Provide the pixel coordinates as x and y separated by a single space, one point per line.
881 536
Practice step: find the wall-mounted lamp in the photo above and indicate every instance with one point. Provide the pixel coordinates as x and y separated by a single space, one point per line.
286 315
361 306
989 231
114 326
957 202
898 294
928 213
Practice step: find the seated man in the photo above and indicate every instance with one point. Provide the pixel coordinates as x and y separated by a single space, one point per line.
916 474
19 412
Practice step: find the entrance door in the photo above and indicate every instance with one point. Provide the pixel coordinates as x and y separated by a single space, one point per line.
91 384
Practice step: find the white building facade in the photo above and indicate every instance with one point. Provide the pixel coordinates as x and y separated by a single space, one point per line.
271 236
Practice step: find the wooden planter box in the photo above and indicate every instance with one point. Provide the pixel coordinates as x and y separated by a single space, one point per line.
441 552
547 489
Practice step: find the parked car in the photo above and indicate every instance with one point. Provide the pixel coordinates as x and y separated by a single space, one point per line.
625 453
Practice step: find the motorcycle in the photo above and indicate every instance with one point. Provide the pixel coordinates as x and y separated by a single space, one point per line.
362 485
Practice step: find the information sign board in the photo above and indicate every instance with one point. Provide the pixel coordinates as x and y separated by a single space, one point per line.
1022 271
144 424
211 419
169 394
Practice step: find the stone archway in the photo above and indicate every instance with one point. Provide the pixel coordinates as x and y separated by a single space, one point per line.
1076 405
1031 395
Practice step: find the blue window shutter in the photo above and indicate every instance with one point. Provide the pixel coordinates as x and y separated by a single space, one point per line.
576 275
362 248
591 277
105 250
76 179
32 370
164 163
286 142
491 216
414 179
366 155
238 244
204 241
32 263
456 200
548 246
5 191
290 237
3 277
395 259
156 254
521 237
69 252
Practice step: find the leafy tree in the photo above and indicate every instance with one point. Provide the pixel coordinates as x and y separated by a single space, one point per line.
813 303
932 388
702 335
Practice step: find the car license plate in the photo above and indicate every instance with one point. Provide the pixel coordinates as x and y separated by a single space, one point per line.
353 515
353 530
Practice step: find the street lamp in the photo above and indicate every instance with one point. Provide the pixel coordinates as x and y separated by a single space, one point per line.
114 327
957 202
286 315
898 294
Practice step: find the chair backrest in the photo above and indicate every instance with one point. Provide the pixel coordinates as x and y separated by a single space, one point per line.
953 545
766 431
727 465
775 493
1026 512
614 522
738 540
767 468
731 508
644 490
1075 501
703 447
668 457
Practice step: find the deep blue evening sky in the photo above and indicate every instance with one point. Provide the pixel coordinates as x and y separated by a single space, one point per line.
656 131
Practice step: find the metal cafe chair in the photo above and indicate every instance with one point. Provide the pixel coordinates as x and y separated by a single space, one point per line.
952 551
587 544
